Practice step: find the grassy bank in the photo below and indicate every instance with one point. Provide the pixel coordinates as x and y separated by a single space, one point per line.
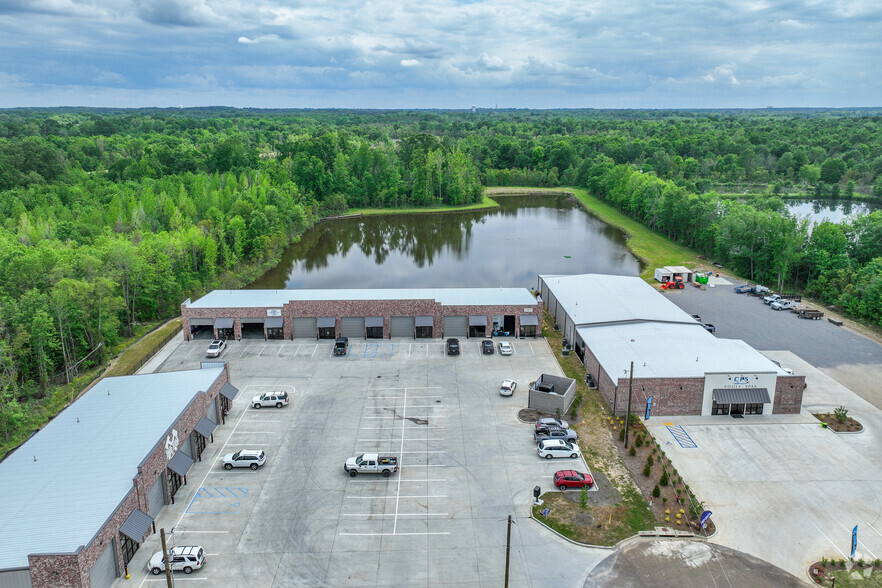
485 203
652 249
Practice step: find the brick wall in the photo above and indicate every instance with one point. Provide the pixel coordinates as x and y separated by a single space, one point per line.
788 394
360 308
66 570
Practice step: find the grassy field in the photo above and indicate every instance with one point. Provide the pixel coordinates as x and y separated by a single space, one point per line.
652 249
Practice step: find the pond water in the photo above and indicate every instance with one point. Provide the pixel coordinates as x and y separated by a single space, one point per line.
835 211
506 247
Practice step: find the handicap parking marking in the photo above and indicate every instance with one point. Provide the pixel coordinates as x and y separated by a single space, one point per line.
223 499
681 436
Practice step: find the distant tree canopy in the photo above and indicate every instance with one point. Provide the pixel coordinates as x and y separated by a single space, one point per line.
110 218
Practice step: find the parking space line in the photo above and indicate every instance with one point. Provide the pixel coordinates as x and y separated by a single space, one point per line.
191 351
375 440
253 432
862 543
401 452
828 539
406 393
281 349
423 452
262 349
427 396
390 496
874 528
391 534
400 481
244 349
401 514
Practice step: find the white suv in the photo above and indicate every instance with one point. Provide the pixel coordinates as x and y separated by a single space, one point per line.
549 448
246 458
183 559
279 399
216 348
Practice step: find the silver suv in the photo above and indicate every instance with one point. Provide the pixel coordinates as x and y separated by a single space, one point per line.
247 458
279 399
183 559
547 432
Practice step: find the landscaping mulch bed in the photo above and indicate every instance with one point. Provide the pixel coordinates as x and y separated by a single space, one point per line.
847 425
846 574
674 497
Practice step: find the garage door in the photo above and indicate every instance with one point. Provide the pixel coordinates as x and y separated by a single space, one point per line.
401 326
352 327
304 328
102 574
551 305
456 326
201 321
156 497
211 412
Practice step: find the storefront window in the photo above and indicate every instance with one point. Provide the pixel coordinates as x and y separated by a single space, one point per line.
720 409
753 408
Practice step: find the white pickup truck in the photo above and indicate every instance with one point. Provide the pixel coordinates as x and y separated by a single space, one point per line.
371 463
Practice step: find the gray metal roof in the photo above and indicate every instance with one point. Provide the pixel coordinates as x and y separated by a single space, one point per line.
62 485
205 427
274 322
741 396
599 298
136 525
444 296
229 391
180 463
529 319
670 350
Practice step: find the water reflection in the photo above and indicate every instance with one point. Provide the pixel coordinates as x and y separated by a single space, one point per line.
507 246
835 211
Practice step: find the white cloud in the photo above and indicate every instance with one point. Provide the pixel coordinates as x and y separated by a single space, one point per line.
795 24
723 74
271 38
411 63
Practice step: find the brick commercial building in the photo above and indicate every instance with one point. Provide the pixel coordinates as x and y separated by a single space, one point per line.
612 321
82 494
369 314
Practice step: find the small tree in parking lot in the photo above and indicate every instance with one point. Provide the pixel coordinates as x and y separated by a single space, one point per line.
583 498
840 413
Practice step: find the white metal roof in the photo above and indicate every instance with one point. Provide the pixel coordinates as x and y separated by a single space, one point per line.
665 350
60 487
599 298
445 296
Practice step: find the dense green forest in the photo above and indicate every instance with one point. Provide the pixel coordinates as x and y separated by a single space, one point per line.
110 218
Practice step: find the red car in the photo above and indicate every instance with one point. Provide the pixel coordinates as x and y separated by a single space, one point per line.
572 479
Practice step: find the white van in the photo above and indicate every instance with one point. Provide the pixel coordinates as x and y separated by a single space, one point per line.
549 448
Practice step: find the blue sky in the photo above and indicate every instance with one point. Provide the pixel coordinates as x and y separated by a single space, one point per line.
441 53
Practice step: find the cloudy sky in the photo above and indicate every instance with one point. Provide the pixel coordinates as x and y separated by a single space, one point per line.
441 53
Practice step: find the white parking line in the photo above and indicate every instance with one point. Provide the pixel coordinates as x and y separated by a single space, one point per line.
244 349
280 350
874 528
423 451
400 481
406 390
828 539
253 432
191 351
391 534
420 427
376 440
391 495
399 514
862 543
411 406
398 491
427 396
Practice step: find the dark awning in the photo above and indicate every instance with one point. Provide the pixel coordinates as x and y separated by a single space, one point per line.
274 322
741 396
373 321
425 321
477 320
223 323
136 525
180 463
529 319
326 321
252 320
201 321
229 391
205 427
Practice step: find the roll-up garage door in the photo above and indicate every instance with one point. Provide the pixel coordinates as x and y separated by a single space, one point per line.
352 326
304 328
102 574
186 447
211 412
401 326
552 305
156 497
456 326
201 321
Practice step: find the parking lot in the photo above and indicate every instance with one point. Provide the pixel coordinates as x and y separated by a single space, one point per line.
466 463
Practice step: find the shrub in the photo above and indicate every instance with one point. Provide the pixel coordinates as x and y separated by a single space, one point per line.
840 413
824 562
664 499
632 451
622 434
664 478
638 442
861 562
649 460
647 471
842 563
656 492
877 562
583 498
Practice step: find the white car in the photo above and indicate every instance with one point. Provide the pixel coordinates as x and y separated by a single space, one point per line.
508 387
277 399
504 348
246 458
549 448
183 559
216 348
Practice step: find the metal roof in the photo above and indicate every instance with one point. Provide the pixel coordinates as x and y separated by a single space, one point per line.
180 463
62 485
229 391
529 319
274 322
599 298
670 350
136 525
205 427
741 396
444 296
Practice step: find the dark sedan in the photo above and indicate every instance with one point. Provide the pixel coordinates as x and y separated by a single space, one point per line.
487 347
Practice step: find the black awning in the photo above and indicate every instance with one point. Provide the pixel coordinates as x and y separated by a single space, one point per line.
425 321
136 525
223 323
373 321
202 322
477 320
205 427
741 396
180 463
229 391
529 319
326 321
274 322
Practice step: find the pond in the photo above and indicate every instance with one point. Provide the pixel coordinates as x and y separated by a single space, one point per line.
506 247
835 211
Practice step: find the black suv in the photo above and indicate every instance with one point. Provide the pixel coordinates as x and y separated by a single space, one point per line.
487 347
340 345
453 347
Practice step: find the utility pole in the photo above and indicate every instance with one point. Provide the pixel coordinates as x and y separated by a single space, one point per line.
628 415
507 550
168 575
